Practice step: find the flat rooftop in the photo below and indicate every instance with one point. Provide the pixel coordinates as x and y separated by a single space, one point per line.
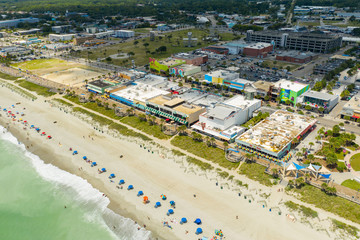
170 62
353 103
320 95
258 45
175 103
241 102
140 92
293 86
263 85
187 56
223 74
297 54
221 111
201 98
310 36
277 131
100 84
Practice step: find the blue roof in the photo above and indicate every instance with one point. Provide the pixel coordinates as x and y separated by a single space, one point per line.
298 167
327 176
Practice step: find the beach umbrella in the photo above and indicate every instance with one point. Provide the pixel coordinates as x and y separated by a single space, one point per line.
43 133
32 126
157 204
130 187
84 157
170 211
183 220
103 169
198 231
197 221
93 164
112 175
75 152
140 193
49 137
122 181
163 197
172 203
146 199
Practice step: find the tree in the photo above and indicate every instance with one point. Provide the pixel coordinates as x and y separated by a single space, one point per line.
299 154
136 42
331 159
266 98
182 129
275 172
287 102
130 54
225 146
146 44
345 94
352 18
311 144
321 109
161 49
336 130
308 107
311 157
299 182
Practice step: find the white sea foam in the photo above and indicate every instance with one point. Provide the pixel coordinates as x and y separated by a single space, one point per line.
82 191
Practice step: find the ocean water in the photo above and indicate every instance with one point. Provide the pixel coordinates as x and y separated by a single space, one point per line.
33 196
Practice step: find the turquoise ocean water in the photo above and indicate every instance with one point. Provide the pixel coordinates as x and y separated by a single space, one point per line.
33 196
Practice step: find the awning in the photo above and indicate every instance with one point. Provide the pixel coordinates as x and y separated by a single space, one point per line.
327 176
298 167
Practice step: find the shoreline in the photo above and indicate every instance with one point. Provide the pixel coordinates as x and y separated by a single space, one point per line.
218 208
55 160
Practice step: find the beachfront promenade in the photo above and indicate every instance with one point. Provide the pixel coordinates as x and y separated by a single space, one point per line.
209 180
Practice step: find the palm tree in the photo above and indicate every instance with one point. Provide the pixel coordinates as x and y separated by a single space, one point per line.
299 154
212 141
274 172
182 129
299 182
225 146
311 144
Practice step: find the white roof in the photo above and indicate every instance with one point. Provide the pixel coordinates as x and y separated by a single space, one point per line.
140 92
239 101
293 86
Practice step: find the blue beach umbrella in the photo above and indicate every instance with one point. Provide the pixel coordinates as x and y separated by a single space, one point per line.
172 203
84 157
198 231
197 221
140 193
75 152
112 175
170 211
157 204
32 126
183 220
122 181
103 169
93 164
130 187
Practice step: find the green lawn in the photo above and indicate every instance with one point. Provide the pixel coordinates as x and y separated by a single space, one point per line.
154 130
63 102
40 90
174 44
347 228
40 63
199 163
355 162
351 184
121 129
313 24
7 76
256 172
93 106
200 149
330 203
307 212
279 65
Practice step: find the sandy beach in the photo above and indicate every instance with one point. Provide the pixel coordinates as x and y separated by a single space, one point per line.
154 175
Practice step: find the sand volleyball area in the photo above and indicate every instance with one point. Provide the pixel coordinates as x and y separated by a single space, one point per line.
60 71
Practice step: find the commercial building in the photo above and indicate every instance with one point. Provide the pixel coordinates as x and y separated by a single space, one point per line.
131 74
288 91
192 59
124 33
158 82
327 67
163 66
184 70
296 57
272 138
258 49
61 29
99 86
174 108
219 76
259 88
319 99
351 109
236 47
237 84
136 94
61 37
304 42
105 34
201 98
222 121
58 46
28 32
216 49
16 22
14 51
